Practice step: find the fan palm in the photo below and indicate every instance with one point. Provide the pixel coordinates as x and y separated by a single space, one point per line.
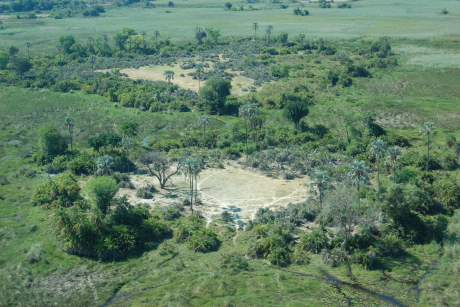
199 70
428 129
393 155
169 74
255 26
247 111
320 181
205 121
191 167
378 148
104 164
28 45
358 173
69 124
127 143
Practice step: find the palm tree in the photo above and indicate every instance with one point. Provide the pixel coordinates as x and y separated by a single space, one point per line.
157 34
248 111
104 164
143 34
127 143
358 173
199 70
268 32
60 48
169 74
428 129
320 181
69 123
105 39
378 148
255 26
205 121
90 44
191 167
393 155
92 60
451 141
28 45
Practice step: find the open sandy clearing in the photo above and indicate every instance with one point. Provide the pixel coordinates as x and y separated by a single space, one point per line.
156 73
241 191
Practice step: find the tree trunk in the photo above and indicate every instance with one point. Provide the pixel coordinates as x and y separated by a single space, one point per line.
394 171
71 145
127 159
428 155
191 192
204 135
378 171
344 244
359 201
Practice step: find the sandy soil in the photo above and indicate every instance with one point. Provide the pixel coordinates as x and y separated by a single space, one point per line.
156 73
240 191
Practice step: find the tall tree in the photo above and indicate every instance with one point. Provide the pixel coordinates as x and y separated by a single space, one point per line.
28 45
320 181
295 111
169 74
215 91
191 167
247 111
268 32
378 149
358 173
428 129
127 143
393 155
69 124
92 59
199 35
60 48
160 165
340 207
199 70
13 51
205 121
156 34
90 44
255 26
214 34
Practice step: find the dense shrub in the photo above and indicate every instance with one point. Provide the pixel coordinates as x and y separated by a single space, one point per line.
234 260
203 240
314 241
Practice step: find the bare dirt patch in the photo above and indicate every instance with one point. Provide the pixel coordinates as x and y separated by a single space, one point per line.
156 73
241 191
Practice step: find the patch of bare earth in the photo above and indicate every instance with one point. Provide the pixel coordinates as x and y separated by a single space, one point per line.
241 191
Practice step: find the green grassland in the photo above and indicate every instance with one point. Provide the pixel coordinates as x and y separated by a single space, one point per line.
35 271
371 18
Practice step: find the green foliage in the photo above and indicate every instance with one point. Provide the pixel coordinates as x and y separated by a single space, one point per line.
4 59
214 92
314 241
51 141
21 65
295 111
203 240
129 128
234 260
102 190
63 193
399 200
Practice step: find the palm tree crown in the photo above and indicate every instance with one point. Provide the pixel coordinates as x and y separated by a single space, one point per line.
104 164
393 155
378 149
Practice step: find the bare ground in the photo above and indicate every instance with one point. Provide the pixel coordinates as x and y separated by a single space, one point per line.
240 191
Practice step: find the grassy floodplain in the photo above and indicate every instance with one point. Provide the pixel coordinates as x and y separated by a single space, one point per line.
35 269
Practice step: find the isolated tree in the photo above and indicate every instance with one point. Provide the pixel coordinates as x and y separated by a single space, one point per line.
102 190
215 91
13 51
214 34
169 74
378 149
60 48
104 165
66 41
105 39
205 121
92 59
191 167
127 143
160 165
451 141
69 124
358 174
199 34
21 65
129 128
393 155
268 32
295 111
248 111
228 5
28 45
320 181
428 129
341 209
255 26
156 34
51 141
199 70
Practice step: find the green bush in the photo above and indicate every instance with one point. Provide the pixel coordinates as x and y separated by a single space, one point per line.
202 240
234 260
314 241
102 190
